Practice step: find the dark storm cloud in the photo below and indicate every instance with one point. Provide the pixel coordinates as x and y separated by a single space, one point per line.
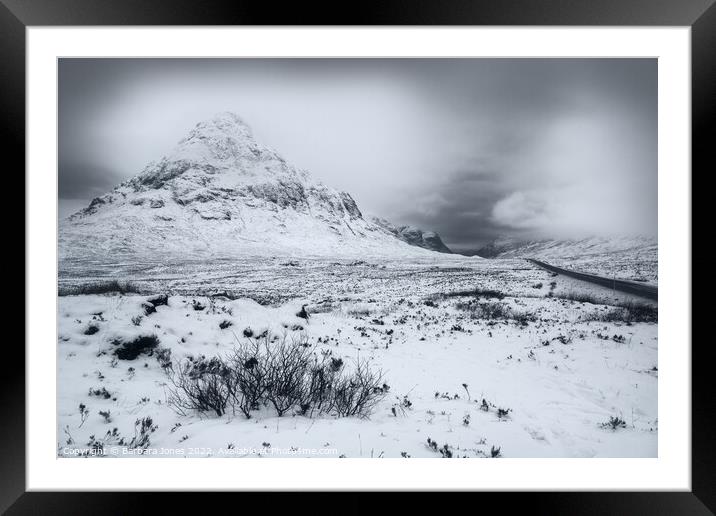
460 212
471 148
86 180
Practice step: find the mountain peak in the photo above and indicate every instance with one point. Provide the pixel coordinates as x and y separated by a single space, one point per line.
226 122
221 192
219 144
224 137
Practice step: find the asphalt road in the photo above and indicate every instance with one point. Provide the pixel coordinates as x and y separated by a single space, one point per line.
631 287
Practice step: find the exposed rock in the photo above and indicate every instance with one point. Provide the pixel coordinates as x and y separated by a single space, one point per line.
414 236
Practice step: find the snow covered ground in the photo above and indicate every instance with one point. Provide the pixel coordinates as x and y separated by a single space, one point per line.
553 372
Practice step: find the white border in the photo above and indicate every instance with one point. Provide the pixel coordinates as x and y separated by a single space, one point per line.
671 471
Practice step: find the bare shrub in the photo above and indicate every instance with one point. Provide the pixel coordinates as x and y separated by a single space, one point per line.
580 297
485 310
91 329
629 312
289 362
100 393
200 384
492 310
164 357
633 311
320 383
131 349
325 307
358 310
358 393
248 375
614 423
626 311
522 318
284 373
143 428
477 293
98 287
445 450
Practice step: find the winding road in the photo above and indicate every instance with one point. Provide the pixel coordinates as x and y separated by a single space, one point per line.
631 287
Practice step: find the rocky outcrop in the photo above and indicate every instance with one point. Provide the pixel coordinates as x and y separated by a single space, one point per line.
414 236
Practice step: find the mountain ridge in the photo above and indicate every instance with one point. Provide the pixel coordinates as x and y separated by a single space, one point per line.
220 192
414 235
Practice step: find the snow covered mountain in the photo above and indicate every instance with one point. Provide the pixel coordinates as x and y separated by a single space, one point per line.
630 258
413 236
507 247
221 193
496 247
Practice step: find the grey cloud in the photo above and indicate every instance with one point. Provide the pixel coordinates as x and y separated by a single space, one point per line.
86 180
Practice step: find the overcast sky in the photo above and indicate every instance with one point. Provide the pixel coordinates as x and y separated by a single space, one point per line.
470 148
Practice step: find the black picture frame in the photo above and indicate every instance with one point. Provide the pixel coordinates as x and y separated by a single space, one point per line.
700 15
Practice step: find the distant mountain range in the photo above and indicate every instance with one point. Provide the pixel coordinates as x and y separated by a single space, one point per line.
414 236
222 193
508 247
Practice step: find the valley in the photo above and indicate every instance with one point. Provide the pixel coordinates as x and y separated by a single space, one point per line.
223 302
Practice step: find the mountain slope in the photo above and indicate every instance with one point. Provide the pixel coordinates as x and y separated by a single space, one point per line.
413 236
495 248
221 193
631 258
574 248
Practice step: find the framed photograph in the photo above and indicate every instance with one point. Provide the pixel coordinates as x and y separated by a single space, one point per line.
273 252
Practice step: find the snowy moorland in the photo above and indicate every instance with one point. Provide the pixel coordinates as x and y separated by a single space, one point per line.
470 357
223 302
629 258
